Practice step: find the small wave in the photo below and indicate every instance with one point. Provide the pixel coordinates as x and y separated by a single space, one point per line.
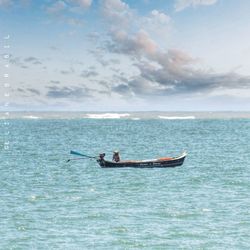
136 119
176 117
206 210
33 197
30 117
107 116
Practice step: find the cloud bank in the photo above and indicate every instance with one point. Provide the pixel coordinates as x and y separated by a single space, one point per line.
127 58
161 71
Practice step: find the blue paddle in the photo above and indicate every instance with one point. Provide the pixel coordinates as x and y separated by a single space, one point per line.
87 156
79 154
74 159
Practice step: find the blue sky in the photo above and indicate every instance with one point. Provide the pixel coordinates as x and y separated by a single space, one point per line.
127 55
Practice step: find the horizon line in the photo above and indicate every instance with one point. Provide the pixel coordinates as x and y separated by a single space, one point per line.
121 111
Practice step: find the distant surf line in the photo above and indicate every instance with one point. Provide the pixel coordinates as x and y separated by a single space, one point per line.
107 116
176 117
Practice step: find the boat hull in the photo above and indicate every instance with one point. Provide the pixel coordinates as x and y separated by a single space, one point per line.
174 162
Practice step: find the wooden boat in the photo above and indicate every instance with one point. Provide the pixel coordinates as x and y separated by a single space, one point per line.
154 163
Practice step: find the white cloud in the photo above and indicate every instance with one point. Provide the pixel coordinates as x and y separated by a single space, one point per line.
157 24
112 6
145 43
123 19
70 5
162 71
135 45
82 3
57 7
117 13
121 16
159 17
183 4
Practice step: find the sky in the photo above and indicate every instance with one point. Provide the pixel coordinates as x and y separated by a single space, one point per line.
117 55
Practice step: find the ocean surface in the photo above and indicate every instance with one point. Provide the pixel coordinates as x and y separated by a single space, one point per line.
47 203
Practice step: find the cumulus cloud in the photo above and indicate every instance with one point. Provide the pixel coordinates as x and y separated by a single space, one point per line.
73 92
183 4
179 77
136 44
116 10
88 73
22 62
161 71
121 16
175 72
32 60
113 6
122 89
156 71
134 31
156 18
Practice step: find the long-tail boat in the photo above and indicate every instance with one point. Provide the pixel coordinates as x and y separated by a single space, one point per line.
164 162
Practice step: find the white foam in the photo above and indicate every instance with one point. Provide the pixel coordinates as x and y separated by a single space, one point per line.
206 210
176 117
107 116
136 119
30 117
33 197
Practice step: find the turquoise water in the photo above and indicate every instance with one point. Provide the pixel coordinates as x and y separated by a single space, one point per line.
47 203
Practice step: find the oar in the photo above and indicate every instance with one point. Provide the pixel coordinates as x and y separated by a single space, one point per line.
76 159
87 156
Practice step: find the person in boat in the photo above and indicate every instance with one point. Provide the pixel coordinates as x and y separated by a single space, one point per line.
116 156
101 159
101 156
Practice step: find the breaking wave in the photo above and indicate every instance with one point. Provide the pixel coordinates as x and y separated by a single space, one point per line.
30 117
107 116
176 117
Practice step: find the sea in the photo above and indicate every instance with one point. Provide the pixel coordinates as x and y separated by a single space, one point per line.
49 203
